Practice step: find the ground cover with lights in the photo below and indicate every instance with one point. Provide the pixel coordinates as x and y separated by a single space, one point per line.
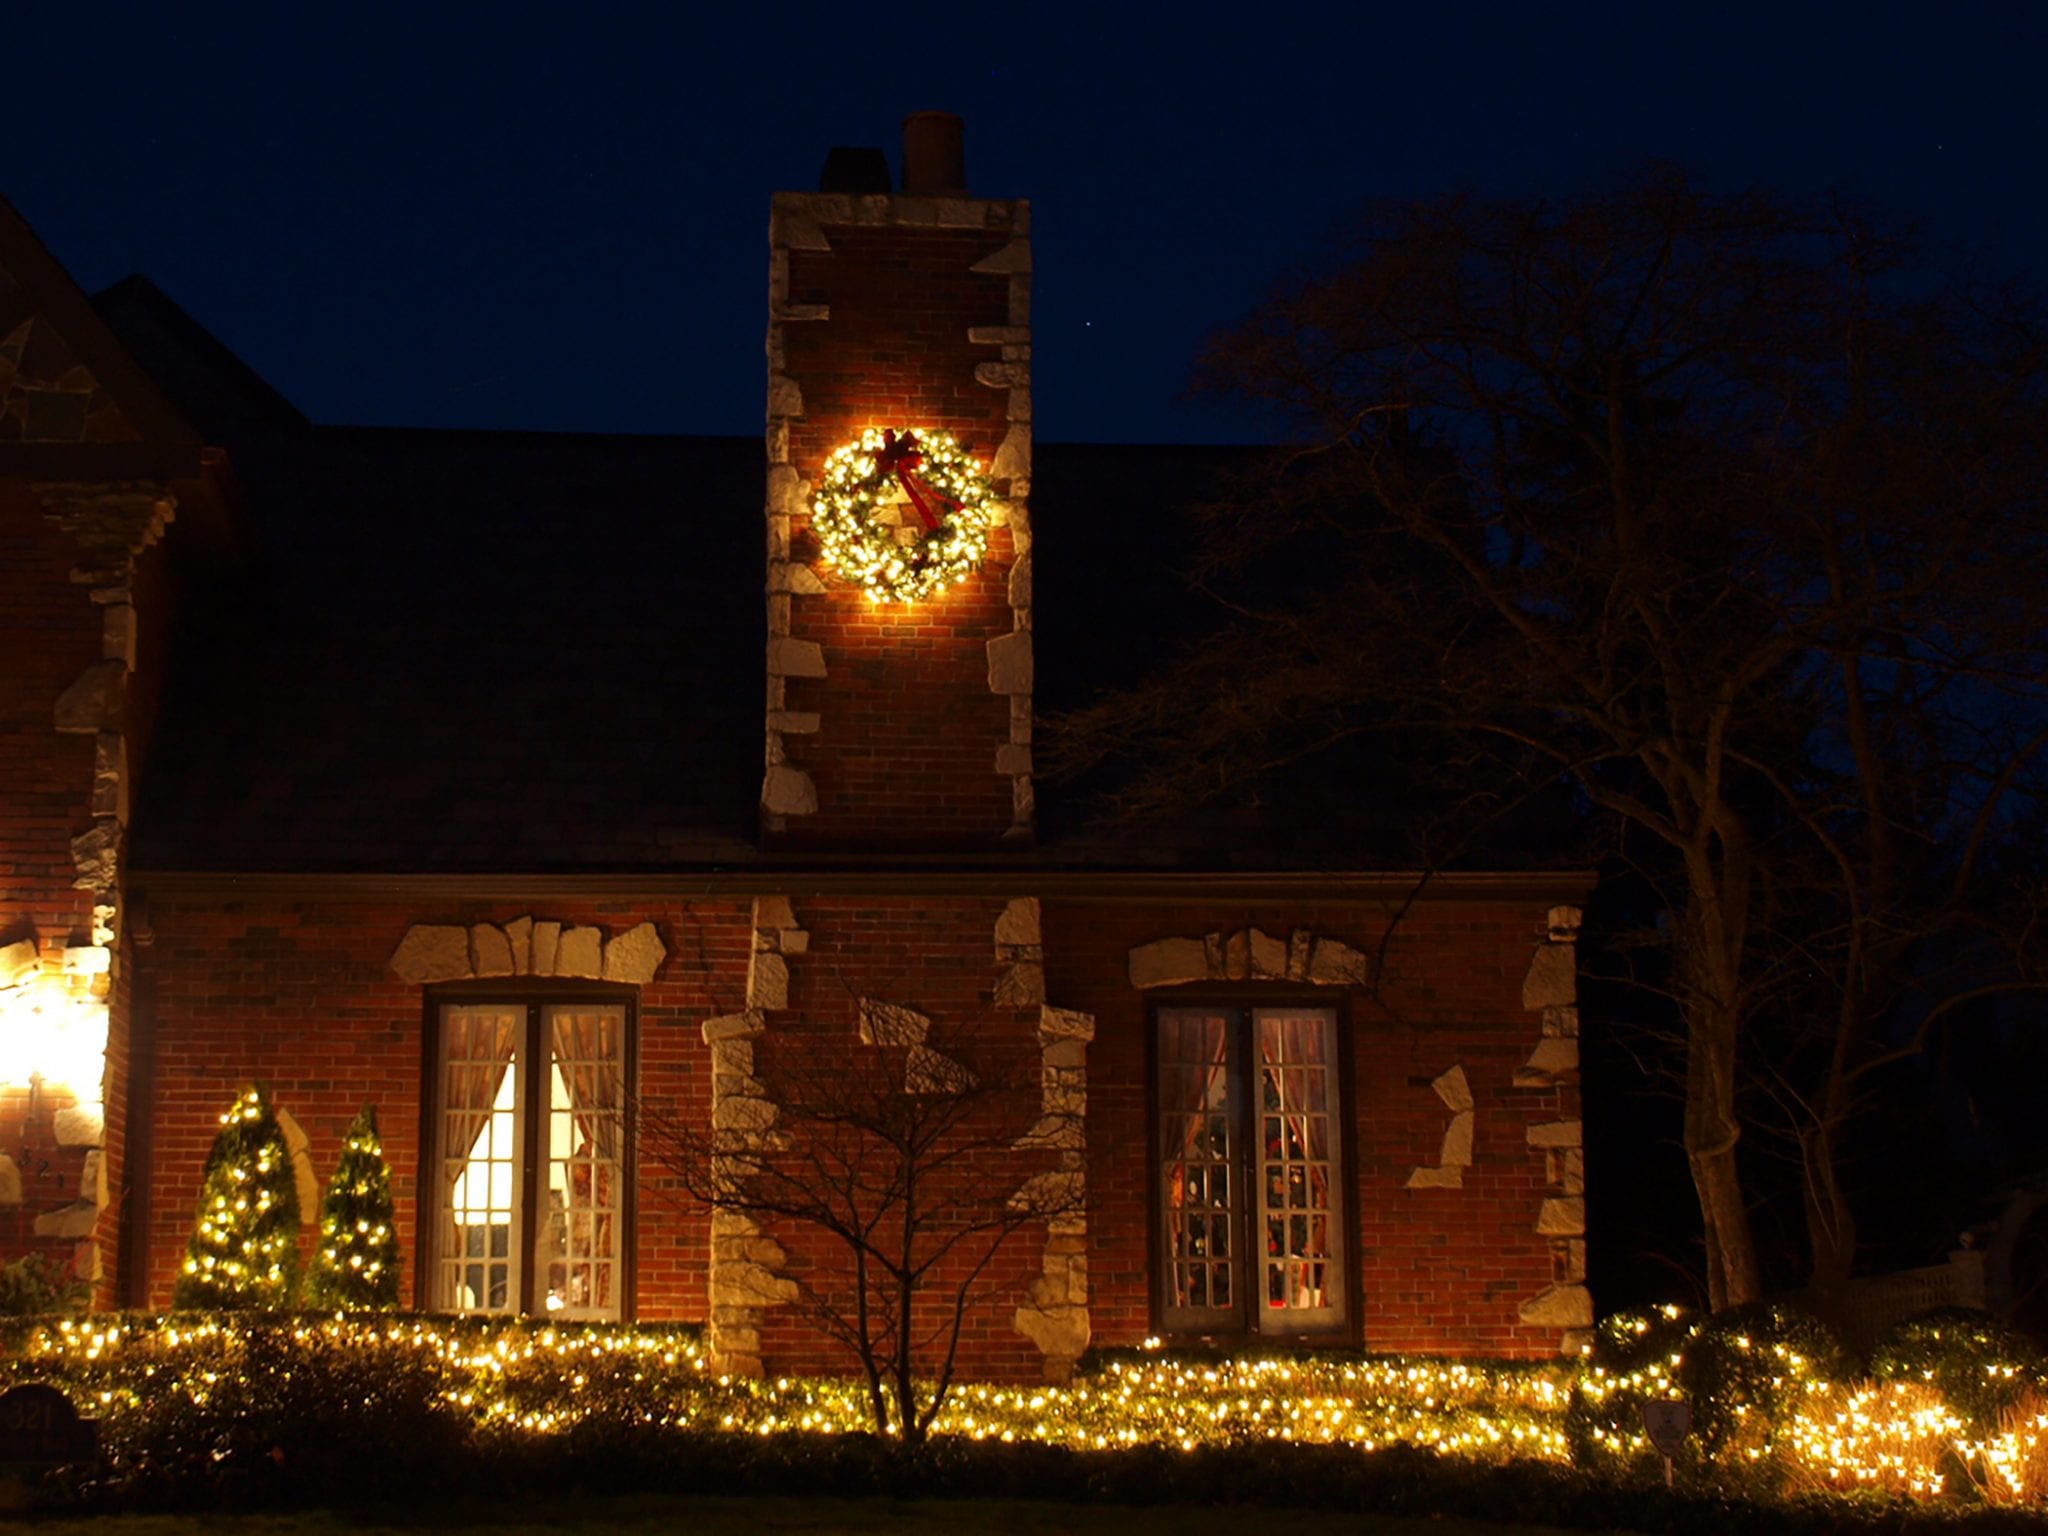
1945 1423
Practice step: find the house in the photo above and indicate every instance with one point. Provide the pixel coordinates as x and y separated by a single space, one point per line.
511 780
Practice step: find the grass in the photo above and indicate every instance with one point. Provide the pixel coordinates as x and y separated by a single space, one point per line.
787 1517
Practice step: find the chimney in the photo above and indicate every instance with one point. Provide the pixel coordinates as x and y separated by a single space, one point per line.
934 155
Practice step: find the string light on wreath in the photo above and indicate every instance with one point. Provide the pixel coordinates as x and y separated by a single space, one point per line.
902 515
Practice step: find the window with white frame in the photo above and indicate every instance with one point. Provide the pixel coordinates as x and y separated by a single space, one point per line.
1250 1171
529 1137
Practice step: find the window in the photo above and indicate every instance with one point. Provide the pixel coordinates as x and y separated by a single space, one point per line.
1251 1188
529 1139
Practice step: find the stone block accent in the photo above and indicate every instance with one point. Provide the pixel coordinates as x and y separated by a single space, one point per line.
519 936
1553 979
1559 1306
1454 1156
73 1221
547 939
491 951
891 1024
1335 964
431 952
19 962
80 1125
730 1027
10 1181
96 856
767 980
1168 962
580 954
787 791
1010 667
1555 1133
1562 1218
93 702
795 658
635 955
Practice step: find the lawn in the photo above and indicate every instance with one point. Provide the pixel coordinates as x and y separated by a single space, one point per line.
798 1517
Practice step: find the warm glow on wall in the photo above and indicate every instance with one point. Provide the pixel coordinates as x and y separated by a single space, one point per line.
50 1035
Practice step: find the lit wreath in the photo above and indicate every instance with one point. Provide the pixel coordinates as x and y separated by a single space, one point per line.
902 514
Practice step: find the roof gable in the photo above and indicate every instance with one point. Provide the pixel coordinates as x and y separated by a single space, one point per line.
73 402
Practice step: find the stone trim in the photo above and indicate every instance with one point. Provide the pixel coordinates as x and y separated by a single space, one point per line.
1054 1315
797 221
1249 955
111 523
431 952
746 1263
1455 1155
1551 990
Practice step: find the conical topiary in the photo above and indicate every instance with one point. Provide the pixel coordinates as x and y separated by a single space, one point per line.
356 1267
245 1244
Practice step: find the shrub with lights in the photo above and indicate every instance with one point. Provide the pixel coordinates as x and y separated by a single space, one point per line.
1748 1372
195 1410
1982 1367
244 1250
1635 1359
355 1268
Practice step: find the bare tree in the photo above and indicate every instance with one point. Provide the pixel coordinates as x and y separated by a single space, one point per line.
910 1153
1648 494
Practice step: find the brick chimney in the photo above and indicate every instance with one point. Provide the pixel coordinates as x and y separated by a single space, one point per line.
898 727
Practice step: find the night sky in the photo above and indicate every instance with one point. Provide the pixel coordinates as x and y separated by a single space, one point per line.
512 216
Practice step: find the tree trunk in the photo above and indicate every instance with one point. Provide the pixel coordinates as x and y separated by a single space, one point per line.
1830 1221
1710 964
1711 1133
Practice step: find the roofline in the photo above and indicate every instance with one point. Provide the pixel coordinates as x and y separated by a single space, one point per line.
769 878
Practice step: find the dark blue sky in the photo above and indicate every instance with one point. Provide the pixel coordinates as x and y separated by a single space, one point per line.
511 216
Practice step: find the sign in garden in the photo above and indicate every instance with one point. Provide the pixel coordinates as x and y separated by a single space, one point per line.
38 1424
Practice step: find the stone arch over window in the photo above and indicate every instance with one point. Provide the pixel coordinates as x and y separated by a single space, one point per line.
432 952
1249 955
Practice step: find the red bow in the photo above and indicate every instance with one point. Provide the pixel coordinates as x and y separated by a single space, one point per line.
901 455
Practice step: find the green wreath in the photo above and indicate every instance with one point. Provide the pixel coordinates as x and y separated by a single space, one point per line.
902 515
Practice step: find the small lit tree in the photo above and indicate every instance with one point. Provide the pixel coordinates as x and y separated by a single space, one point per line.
244 1251
356 1266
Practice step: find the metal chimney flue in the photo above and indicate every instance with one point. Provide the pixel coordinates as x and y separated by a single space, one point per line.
934 155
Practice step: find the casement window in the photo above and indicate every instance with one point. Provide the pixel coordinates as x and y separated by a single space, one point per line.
529 1201
1250 1171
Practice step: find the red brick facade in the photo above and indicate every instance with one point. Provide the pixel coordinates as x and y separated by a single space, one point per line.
903 732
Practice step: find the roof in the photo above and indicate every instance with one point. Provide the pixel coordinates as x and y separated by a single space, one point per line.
461 652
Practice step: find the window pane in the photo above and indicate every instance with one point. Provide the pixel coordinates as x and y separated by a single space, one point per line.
1197 1149
581 1227
1295 1056
480 1158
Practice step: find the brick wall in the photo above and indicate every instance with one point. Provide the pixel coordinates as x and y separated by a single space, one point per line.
301 997
938 959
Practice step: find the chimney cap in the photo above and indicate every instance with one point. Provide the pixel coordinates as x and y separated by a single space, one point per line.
934 154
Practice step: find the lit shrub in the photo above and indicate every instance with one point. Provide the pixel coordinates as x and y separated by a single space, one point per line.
1635 1358
1748 1371
1895 1438
35 1285
1983 1367
2010 1466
